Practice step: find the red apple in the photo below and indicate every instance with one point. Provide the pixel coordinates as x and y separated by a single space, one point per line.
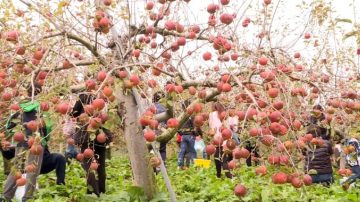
207 56
240 190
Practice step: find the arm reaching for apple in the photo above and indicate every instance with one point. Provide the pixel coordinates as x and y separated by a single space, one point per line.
162 116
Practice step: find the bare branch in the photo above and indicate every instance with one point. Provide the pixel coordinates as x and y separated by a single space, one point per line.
88 45
135 31
81 63
36 41
35 72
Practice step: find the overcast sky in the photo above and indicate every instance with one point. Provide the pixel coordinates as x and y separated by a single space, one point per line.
292 14
288 14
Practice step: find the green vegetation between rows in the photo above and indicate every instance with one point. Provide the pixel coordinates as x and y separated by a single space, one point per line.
194 184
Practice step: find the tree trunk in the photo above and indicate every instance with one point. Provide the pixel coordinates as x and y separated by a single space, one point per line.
143 173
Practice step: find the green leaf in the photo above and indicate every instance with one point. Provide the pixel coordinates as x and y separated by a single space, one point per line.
136 193
92 136
160 197
343 20
265 195
312 172
350 34
59 10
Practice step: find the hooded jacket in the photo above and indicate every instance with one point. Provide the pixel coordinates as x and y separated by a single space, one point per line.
28 113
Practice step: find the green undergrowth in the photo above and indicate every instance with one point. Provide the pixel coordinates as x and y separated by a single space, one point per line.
198 184
194 184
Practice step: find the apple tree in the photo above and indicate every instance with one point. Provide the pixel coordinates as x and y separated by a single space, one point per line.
269 65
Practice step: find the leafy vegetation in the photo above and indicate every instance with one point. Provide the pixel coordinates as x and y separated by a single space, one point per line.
194 184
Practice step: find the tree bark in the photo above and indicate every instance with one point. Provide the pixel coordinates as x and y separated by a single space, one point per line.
143 173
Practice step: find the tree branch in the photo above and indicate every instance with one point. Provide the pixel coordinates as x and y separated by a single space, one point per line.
35 72
169 133
59 68
135 31
36 41
88 45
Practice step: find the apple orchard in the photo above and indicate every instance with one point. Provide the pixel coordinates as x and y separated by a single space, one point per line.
270 69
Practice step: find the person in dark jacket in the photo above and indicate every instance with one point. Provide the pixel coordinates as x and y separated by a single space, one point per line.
253 149
318 161
96 182
48 161
188 133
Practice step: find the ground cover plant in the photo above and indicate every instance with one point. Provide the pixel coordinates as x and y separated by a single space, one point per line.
194 184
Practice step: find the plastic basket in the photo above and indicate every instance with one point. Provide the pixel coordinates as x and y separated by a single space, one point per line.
202 163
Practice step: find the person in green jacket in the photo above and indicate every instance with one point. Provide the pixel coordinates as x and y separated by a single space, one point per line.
19 122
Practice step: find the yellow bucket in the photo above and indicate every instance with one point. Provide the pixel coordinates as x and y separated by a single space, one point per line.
202 163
